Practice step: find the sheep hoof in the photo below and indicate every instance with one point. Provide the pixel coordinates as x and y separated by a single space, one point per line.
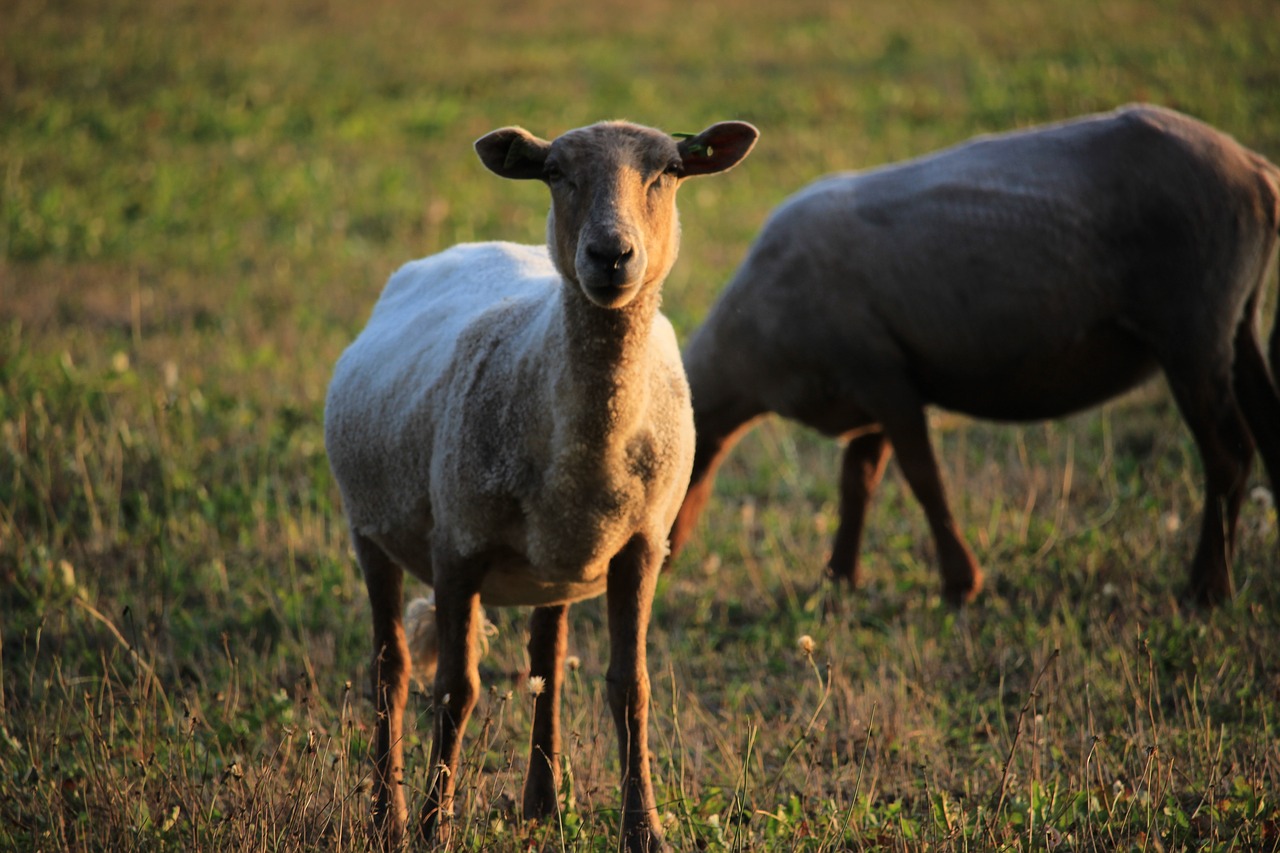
959 595
1207 594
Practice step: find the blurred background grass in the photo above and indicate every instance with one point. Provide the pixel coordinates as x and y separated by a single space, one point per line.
201 202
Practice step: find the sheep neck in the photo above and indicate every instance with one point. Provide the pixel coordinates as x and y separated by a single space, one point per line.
606 351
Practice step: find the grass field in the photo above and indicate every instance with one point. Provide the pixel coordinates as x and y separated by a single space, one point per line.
200 204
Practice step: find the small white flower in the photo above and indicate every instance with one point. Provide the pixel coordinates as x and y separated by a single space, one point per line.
807 645
573 662
170 375
537 684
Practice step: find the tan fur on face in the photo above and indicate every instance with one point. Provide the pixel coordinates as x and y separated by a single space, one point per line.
614 177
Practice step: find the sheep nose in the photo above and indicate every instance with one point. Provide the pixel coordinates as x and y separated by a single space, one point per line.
610 256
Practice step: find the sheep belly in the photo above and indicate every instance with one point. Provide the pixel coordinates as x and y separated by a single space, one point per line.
1040 385
510 579
518 586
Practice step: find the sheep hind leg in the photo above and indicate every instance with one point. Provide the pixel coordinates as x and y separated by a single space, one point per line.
909 433
1259 400
458 621
1226 448
548 633
390 681
633 574
865 458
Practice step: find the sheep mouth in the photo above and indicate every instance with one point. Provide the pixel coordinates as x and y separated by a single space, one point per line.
611 295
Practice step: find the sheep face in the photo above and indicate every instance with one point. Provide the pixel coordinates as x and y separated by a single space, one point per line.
613 226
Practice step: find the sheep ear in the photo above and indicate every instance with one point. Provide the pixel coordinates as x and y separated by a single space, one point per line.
721 146
513 152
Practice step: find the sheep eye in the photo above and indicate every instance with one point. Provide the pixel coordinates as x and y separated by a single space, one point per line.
554 174
665 176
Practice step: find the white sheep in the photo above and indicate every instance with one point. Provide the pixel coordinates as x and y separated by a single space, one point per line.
513 427
1020 276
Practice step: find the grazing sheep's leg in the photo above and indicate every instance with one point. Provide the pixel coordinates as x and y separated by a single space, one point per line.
633 574
717 433
865 458
695 501
909 433
390 677
548 633
458 621
1226 448
1259 400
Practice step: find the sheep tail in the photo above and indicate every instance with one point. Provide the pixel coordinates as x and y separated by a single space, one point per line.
420 631
1270 173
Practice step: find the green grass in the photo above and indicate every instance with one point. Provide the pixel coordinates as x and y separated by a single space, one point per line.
200 203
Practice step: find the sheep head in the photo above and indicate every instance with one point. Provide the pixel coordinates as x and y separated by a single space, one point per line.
613 225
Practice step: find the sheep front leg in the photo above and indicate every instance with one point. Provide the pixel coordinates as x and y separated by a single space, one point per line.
719 429
865 458
458 620
548 634
390 678
633 574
